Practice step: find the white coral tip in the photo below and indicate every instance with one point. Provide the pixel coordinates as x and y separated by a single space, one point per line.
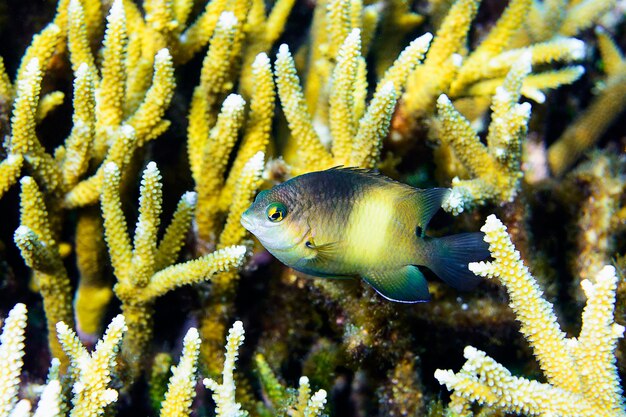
111 168
192 335
127 130
425 38
151 169
21 232
190 198
233 103
227 20
443 100
261 60
118 322
577 48
162 56
283 51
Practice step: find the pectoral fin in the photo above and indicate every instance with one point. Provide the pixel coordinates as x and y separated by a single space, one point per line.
324 251
404 285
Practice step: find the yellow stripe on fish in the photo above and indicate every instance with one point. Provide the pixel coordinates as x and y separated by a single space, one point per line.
369 228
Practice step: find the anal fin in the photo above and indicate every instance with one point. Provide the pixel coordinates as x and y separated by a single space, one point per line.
404 285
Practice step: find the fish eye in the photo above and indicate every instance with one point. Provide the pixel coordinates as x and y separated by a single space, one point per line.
276 212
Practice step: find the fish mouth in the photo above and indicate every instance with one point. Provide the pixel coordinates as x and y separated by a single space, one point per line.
246 222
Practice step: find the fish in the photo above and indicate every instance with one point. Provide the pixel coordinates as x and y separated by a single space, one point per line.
352 222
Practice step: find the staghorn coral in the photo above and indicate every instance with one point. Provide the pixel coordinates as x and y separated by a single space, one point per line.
11 354
211 139
283 401
101 132
224 393
144 271
581 372
181 387
550 18
449 68
601 112
218 308
97 135
94 289
497 166
41 252
90 373
301 403
95 86
354 130
9 172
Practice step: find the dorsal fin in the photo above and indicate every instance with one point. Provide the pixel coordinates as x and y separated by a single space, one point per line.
424 202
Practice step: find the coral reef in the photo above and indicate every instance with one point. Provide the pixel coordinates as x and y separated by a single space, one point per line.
581 372
126 112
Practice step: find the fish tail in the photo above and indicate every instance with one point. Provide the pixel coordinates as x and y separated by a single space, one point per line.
449 257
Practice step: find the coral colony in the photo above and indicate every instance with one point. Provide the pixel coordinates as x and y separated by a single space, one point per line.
132 112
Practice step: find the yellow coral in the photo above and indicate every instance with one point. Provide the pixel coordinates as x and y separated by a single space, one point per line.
582 379
245 190
309 405
41 48
148 119
550 18
217 309
256 135
224 393
215 153
139 280
94 289
39 248
594 121
92 371
112 89
182 385
496 167
78 144
355 141
23 136
311 152
398 20
263 32
199 33
6 88
100 130
452 70
174 236
78 41
10 169
48 103
87 191
11 354
214 77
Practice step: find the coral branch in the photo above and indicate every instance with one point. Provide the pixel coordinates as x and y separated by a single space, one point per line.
11 354
182 384
581 373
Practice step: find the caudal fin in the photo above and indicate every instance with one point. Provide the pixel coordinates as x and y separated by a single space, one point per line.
450 256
